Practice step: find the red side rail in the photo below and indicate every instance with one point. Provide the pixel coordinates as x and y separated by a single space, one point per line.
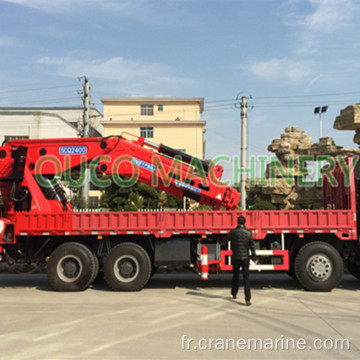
342 223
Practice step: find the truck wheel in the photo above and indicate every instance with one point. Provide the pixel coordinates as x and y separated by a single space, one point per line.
127 268
71 267
318 266
96 267
354 269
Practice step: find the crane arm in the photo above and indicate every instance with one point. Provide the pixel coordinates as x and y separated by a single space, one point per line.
25 163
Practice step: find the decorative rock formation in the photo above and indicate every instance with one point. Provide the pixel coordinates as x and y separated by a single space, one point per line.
349 119
290 144
282 187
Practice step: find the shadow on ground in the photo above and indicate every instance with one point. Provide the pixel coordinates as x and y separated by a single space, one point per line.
258 281
183 280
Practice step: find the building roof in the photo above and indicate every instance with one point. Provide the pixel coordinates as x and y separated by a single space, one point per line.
164 100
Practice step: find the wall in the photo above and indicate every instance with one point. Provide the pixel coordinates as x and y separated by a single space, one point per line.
177 126
44 122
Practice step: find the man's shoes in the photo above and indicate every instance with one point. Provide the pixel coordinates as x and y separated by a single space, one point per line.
248 303
233 295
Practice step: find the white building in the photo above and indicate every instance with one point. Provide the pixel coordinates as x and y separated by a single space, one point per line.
36 123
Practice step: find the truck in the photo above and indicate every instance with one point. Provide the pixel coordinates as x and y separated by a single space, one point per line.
38 225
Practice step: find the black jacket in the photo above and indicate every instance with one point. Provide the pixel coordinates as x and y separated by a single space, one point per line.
241 241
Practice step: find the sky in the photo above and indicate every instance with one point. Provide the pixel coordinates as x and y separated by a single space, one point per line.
285 56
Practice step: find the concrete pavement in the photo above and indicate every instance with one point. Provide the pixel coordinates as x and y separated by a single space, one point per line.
178 316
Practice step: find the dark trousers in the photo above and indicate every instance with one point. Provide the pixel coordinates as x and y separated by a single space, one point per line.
244 264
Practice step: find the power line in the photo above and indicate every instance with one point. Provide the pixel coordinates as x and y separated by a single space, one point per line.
221 105
36 89
304 102
299 104
214 105
233 100
48 101
217 101
59 95
252 103
49 95
307 96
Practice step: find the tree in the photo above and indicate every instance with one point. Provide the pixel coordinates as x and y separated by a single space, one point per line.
173 202
137 197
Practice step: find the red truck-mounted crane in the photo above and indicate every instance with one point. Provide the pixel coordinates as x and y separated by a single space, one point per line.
37 224
37 220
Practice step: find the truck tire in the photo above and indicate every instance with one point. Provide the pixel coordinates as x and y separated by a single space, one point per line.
318 266
127 268
71 267
96 267
354 269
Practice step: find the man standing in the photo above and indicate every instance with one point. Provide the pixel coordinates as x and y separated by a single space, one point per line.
241 242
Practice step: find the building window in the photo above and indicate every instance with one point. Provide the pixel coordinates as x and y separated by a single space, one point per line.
146 109
14 137
147 132
160 107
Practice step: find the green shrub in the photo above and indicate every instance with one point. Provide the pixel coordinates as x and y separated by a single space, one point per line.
263 205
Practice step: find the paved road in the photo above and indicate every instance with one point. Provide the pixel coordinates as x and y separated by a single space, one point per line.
38 323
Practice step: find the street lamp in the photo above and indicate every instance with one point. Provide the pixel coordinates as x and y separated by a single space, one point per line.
320 110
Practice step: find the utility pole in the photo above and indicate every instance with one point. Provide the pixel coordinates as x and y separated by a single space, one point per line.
243 151
85 133
86 102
